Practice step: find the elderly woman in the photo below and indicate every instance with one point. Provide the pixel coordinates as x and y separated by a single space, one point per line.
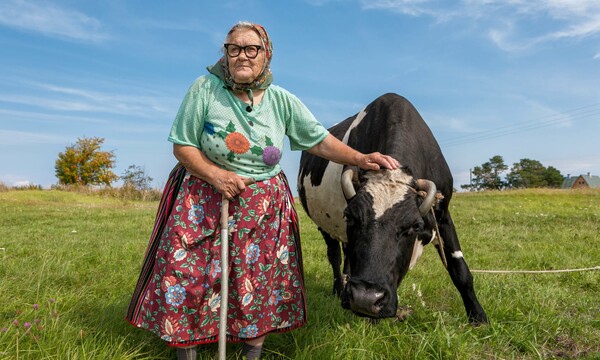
230 128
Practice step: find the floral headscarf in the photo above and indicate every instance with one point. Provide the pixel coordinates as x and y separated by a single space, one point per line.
262 81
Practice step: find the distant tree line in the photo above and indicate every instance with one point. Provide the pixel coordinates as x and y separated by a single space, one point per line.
86 164
526 173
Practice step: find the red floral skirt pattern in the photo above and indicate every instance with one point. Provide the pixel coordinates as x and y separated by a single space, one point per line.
266 288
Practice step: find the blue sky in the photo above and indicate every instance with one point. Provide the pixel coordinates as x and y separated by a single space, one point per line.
516 78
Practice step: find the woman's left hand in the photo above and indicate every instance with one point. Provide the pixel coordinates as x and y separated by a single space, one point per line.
376 161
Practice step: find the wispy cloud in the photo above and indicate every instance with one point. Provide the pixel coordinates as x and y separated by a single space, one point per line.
71 99
44 117
513 21
408 7
12 137
51 20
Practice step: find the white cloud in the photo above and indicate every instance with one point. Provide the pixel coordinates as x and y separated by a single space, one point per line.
12 137
45 117
22 183
407 7
513 25
70 99
50 20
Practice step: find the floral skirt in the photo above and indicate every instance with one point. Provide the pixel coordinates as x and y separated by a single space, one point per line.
178 293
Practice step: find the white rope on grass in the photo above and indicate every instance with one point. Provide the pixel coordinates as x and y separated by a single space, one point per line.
535 271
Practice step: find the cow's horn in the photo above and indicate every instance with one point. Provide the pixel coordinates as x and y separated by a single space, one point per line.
347 186
429 187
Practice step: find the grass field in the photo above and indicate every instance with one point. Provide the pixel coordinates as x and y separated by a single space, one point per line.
68 264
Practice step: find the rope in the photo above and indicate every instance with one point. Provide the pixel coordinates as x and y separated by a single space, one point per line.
535 271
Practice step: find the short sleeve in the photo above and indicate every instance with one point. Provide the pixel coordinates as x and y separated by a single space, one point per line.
189 122
302 128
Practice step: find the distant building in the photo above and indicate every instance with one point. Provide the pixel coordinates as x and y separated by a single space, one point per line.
581 182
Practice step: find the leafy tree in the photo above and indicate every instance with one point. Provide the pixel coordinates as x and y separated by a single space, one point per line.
526 173
135 177
487 176
85 164
529 173
553 177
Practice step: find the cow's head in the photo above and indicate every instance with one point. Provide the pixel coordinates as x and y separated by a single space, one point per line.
385 216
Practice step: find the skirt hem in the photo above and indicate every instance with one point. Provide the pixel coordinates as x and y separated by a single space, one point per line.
214 339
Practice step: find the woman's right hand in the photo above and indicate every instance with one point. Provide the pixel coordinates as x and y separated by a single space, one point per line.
229 183
226 182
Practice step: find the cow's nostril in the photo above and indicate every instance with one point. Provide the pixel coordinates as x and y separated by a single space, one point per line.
366 302
379 298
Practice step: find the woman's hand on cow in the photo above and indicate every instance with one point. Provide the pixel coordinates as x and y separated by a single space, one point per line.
376 161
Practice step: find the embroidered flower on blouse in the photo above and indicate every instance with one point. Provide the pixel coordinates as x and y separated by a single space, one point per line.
271 155
209 128
237 143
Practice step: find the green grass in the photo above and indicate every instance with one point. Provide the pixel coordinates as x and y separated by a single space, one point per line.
77 257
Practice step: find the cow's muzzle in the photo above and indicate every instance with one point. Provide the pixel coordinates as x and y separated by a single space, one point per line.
366 299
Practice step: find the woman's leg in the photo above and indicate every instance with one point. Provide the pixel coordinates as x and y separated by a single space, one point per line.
186 353
252 348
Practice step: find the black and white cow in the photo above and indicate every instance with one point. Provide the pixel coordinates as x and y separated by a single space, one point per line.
383 218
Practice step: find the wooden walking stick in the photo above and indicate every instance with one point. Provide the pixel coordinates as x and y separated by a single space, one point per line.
224 276
225 272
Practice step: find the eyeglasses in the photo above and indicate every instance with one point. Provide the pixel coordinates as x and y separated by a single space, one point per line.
234 50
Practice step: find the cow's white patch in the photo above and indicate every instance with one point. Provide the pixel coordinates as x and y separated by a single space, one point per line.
326 202
418 251
388 187
457 254
416 254
355 122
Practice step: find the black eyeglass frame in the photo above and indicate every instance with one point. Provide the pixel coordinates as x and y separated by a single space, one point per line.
242 48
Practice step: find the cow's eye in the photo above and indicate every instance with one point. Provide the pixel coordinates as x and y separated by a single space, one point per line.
417 227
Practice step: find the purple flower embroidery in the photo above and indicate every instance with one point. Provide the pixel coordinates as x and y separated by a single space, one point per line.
271 155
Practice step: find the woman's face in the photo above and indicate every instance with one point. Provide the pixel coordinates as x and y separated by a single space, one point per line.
242 69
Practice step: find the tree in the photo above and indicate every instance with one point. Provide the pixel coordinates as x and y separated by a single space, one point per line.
84 164
135 177
529 173
487 176
553 177
526 173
